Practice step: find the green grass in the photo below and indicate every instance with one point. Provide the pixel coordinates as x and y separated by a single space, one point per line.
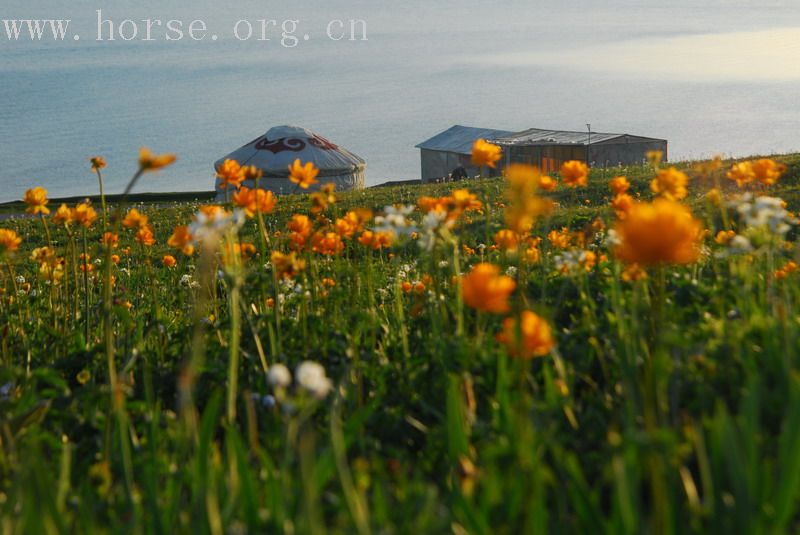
645 419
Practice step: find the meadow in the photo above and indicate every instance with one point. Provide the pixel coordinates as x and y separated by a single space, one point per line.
581 353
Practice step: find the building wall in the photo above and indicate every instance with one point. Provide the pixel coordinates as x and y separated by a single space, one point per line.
612 154
436 165
550 157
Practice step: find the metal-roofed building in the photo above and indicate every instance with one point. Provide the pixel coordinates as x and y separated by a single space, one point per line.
547 149
451 149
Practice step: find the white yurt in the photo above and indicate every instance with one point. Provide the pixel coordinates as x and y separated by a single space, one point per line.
275 151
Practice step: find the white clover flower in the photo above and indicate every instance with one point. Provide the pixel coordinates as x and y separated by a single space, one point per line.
186 280
612 238
764 211
444 264
279 376
394 220
20 279
511 271
125 271
569 260
311 377
740 244
210 228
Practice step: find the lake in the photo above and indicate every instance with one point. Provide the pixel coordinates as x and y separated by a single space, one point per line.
711 77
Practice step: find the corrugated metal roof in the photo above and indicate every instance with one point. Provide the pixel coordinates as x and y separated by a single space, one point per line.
459 139
537 136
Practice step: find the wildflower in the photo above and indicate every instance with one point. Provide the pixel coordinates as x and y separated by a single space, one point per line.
251 172
287 266
484 153
723 237
303 175
84 215
670 184
279 376
376 240
212 222
787 269
742 173
763 211
328 243
311 377
485 289
253 201
109 239
662 232
42 254
98 162
115 259
36 199
575 173
506 240
9 241
145 236
406 287
714 196
348 225
709 167
83 377
149 162
622 204
654 157
394 220
300 227
134 219
767 171
181 239
633 272
63 215
619 185
328 282
230 173
560 239
464 201
547 183
320 200
169 261
527 338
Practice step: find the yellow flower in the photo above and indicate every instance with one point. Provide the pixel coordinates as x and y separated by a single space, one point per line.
530 337
484 153
98 162
575 173
714 196
303 175
619 184
169 261
376 240
134 219
547 183
63 215
287 265
253 201
724 237
621 204
742 173
181 239
109 239
506 240
36 199
485 289
149 162
767 171
662 232
145 236
83 214
327 243
670 184
708 168
320 200
9 241
83 377
654 157
560 239
230 173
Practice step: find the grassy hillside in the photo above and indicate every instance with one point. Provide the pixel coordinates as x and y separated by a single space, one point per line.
662 400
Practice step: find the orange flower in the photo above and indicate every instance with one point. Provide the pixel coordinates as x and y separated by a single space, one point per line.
619 184
662 232
300 226
376 240
115 259
287 265
9 241
109 239
98 162
485 289
724 237
464 201
530 337
575 173
230 173
303 175
320 200
36 199
63 216
547 183
328 282
506 240
633 272
767 171
169 261
560 239
149 162
134 219
181 239
670 184
83 214
654 157
327 243
145 236
484 153
348 225
714 196
253 201
251 172
622 204
742 173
